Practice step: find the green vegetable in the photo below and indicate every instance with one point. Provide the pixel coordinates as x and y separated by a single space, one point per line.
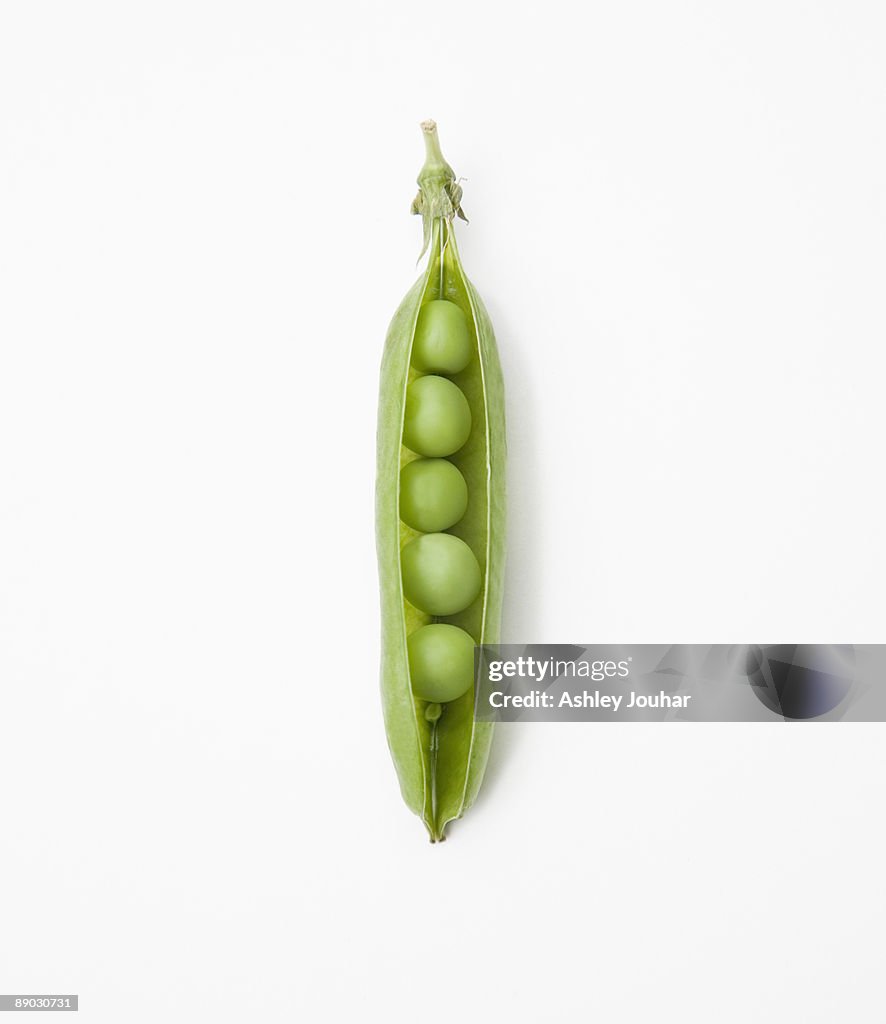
441 662
441 576
433 495
431 579
438 417
442 339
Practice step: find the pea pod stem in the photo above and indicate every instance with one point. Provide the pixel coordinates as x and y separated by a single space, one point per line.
439 194
435 167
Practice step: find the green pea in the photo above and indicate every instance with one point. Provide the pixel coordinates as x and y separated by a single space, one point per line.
433 495
441 575
441 662
438 418
442 341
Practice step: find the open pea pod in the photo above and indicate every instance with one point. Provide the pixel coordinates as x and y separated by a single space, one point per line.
439 750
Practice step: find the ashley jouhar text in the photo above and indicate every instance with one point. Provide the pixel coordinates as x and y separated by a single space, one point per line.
532 668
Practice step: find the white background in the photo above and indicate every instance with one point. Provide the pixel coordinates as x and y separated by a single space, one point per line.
678 225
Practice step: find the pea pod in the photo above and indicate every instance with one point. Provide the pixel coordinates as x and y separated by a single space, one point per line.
440 347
